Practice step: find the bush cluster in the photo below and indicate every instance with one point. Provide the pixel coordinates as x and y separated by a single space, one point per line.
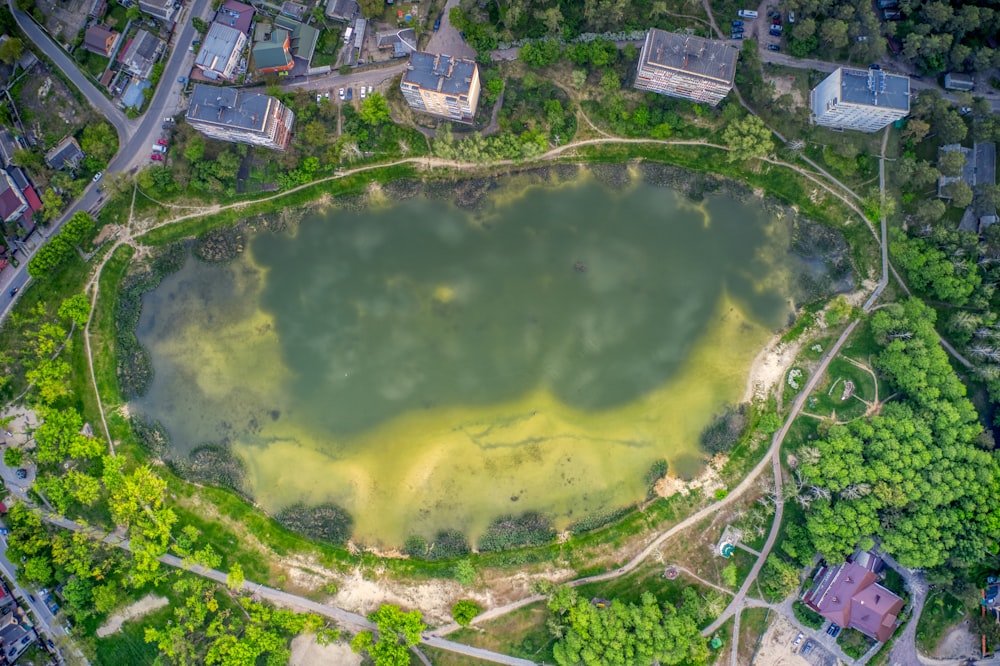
599 520
212 464
507 532
724 431
325 522
134 368
446 545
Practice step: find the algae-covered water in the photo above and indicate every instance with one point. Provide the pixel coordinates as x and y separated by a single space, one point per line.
427 367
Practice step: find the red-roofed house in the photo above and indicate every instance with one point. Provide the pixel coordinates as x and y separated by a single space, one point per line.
235 15
12 202
850 596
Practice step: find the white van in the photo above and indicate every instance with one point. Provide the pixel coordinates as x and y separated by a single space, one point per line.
157 148
747 13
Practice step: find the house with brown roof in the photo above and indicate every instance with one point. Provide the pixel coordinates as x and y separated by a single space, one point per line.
100 39
849 595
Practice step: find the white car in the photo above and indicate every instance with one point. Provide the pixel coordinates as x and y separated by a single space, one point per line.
327 94
370 89
319 98
362 92
341 94
98 175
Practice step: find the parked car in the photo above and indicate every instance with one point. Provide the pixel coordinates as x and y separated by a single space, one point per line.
21 473
327 95
437 23
737 24
341 94
98 176
162 142
13 292
370 89
798 639
183 79
736 35
773 47
319 97
364 92
350 94
4 530
157 157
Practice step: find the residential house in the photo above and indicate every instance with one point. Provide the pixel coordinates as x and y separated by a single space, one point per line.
141 53
97 8
442 86
221 51
27 189
360 32
402 42
100 39
8 145
12 201
864 100
65 154
954 81
159 9
850 595
686 66
272 49
294 11
344 11
235 15
233 115
303 37
979 170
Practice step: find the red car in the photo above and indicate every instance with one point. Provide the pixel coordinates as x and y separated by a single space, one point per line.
156 156
162 142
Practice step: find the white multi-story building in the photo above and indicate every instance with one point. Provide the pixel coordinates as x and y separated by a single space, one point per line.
686 66
231 115
865 100
442 85
221 52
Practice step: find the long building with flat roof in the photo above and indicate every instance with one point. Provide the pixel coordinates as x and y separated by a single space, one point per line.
865 100
686 66
232 115
220 52
442 86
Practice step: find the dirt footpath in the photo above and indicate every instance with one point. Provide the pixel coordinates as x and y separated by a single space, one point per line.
144 606
307 652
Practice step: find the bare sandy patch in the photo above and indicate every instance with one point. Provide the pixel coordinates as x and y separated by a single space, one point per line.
707 482
957 644
785 85
776 645
769 368
307 652
144 606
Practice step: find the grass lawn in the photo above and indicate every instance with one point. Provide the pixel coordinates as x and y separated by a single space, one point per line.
941 611
91 62
520 634
445 658
826 400
753 623
129 645
647 578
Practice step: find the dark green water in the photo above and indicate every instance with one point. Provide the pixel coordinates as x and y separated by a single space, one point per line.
427 367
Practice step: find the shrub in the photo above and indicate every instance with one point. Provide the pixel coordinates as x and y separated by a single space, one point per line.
807 616
599 520
13 457
326 522
464 610
507 532
724 431
415 546
448 545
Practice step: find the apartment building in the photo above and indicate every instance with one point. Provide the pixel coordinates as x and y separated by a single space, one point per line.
442 86
686 66
221 51
864 100
232 115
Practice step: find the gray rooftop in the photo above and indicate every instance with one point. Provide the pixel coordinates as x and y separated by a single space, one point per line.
229 107
695 55
443 73
875 87
218 46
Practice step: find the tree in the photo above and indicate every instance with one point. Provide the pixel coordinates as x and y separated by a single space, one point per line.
132 13
75 308
778 578
950 162
916 129
13 456
931 211
234 579
959 192
99 143
541 53
748 138
464 610
374 110
397 631
199 24
623 634
11 50
833 32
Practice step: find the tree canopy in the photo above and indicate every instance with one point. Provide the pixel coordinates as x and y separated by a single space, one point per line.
748 138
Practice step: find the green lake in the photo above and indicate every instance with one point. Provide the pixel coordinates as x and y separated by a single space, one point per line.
429 367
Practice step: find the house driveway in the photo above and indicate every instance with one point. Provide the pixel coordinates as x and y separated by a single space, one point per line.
447 40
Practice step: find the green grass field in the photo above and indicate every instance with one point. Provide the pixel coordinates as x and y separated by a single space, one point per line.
826 400
942 610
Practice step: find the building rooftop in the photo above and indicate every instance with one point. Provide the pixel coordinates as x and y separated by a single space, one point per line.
141 52
268 53
402 42
293 10
850 596
875 87
695 55
229 107
96 38
304 37
218 46
343 10
443 73
65 152
235 15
